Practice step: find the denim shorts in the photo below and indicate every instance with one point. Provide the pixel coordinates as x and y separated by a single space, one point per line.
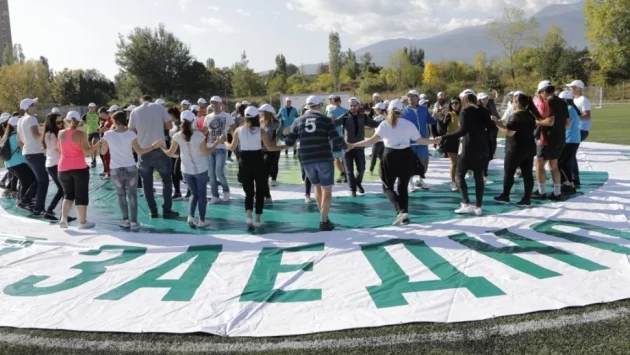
337 155
321 173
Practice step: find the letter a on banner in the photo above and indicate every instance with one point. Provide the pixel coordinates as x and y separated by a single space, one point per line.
549 228
90 270
181 290
395 282
260 289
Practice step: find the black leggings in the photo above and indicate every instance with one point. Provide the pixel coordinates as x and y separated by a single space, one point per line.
76 185
566 161
177 174
229 138
377 153
54 174
253 174
272 160
395 166
25 176
307 182
10 181
526 164
477 167
492 145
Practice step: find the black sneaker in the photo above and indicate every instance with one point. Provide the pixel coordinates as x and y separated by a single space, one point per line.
177 197
524 203
326 226
170 214
406 222
361 189
93 165
577 183
502 199
155 215
51 216
24 207
538 196
37 214
71 219
354 193
568 189
553 197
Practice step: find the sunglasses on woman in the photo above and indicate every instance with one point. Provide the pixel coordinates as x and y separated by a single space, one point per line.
59 123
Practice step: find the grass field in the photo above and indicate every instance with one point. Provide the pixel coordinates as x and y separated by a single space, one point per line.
599 329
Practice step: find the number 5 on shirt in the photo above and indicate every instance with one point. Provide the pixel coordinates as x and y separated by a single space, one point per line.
310 125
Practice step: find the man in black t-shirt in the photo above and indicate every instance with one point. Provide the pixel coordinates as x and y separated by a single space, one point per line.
552 140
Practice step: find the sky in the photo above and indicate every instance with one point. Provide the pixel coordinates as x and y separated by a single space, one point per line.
82 34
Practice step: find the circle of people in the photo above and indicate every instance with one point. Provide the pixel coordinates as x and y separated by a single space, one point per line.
193 144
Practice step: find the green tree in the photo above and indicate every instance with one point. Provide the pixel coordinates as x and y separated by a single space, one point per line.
351 68
334 57
8 58
551 53
44 62
155 57
402 73
22 80
322 69
210 63
431 76
373 83
281 64
63 89
195 81
292 69
81 87
245 82
416 55
608 31
512 32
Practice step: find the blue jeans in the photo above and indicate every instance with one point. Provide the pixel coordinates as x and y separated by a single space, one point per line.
216 173
126 183
39 188
350 158
147 163
198 185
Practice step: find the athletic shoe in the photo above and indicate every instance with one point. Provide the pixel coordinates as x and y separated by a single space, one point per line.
170 214
249 222
307 199
124 223
470 175
87 225
268 200
214 201
192 221
518 174
454 187
406 222
339 179
93 165
203 224
273 183
63 224
258 224
465 209
353 193
37 214
538 196
555 198
487 181
478 212
361 189
400 218
106 177
412 187
226 197
421 184
51 216
24 207
178 197
326 226
568 189
6 193
502 199
524 203
134 226
188 194
155 215
71 219
104 174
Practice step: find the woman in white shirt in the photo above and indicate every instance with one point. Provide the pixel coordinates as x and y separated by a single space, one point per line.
396 134
193 153
250 138
121 143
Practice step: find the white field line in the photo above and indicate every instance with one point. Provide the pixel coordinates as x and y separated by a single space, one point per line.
9 338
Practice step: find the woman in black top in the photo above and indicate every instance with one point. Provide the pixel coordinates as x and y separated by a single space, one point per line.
520 149
474 123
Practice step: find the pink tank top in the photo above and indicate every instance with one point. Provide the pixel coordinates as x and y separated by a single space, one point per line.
72 157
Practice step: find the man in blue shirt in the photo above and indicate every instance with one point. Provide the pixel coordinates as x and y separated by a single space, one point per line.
334 112
420 117
287 116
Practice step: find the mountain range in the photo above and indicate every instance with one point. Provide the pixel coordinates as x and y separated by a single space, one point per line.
463 43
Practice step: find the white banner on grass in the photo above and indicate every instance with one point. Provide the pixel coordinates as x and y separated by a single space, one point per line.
560 255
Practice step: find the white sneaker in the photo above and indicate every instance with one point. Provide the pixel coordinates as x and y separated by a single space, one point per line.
488 181
400 218
214 201
226 196
465 209
134 226
478 212
470 175
422 185
268 200
249 222
454 187
124 223
192 221
87 225
273 183
412 187
307 199
203 224
258 224
63 224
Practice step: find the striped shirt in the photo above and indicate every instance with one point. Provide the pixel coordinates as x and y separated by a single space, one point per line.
316 133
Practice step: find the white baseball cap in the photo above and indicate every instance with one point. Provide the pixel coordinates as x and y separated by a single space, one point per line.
566 95
353 99
238 104
92 104
511 93
267 108
130 108
5 117
313 100
404 98
469 92
396 105
422 102
376 94
251 111
423 96
160 102
26 103
202 101
55 110
216 99
13 121
73 116
482 96
577 84
287 99
114 108
194 108
440 95
543 85
413 92
381 106
185 103
516 93
246 103
331 97
386 102
187 116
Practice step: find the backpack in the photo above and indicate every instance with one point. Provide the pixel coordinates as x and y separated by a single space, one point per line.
5 151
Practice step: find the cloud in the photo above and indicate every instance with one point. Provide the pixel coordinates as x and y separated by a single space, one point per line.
218 25
290 6
183 4
213 8
243 12
195 29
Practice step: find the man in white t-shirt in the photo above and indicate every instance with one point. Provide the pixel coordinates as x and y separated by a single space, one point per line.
148 121
216 124
577 87
29 137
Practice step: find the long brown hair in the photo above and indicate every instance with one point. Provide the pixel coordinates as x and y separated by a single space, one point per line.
50 127
7 133
392 117
267 119
187 129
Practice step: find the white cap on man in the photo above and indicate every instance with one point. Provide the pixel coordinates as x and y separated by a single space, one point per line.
353 100
202 101
187 116
313 101
194 108
267 108
73 116
576 84
160 102
543 85
185 103
13 121
26 103
375 95
413 92
114 108
4 117
386 102
92 105
246 103
381 106
396 105
216 99
440 95
130 108
423 97
55 110
566 95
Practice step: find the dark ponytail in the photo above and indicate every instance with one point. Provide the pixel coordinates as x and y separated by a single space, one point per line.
527 103
570 102
187 129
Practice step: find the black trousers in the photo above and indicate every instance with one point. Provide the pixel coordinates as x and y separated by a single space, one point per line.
492 145
177 175
396 166
25 176
272 160
514 161
566 161
377 153
253 174
477 166
229 138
